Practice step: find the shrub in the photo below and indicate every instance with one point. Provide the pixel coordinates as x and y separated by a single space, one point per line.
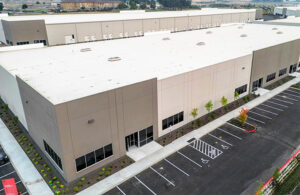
131 161
103 169
57 182
101 173
79 184
182 132
45 175
236 95
111 165
26 149
82 179
209 105
109 169
199 122
57 192
107 173
22 143
25 138
19 140
36 154
30 144
15 119
248 98
194 113
36 163
45 165
33 159
42 171
98 178
54 178
39 158
5 107
213 115
61 186
48 169
50 181
224 101
245 99
75 189
65 191
53 187
209 118
28 152
122 165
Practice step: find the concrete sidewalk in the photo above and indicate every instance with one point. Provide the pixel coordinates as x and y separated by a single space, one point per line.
143 164
27 172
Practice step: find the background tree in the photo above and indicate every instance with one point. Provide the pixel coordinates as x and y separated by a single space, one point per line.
38 2
24 6
175 3
122 5
1 6
243 115
209 105
132 4
143 5
152 4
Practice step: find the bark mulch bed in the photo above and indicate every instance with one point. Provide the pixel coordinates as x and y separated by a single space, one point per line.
247 127
170 137
279 82
297 85
57 185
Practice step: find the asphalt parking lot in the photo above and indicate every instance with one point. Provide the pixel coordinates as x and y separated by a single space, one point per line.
6 172
228 160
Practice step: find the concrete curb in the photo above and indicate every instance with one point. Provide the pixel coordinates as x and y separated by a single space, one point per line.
27 172
116 179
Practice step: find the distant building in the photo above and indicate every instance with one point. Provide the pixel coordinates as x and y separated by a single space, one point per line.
89 4
287 11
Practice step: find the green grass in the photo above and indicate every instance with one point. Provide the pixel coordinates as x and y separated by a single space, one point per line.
290 183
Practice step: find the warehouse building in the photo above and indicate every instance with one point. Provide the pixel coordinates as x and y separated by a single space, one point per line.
67 29
92 102
287 11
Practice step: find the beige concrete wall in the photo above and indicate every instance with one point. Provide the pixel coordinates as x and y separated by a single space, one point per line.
150 25
112 30
89 31
272 59
194 89
206 21
57 32
21 31
216 20
167 24
133 28
181 23
226 18
235 17
194 22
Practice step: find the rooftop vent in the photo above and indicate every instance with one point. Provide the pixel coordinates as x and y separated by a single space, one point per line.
113 59
240 27
208 32
279 32
200 43
274 28
85 49
166 39
243 35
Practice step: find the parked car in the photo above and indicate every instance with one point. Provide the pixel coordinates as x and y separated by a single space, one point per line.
3 158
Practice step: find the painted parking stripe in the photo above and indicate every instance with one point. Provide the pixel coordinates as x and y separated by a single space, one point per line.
144 185
287 98
269 101
282 101
271 107
229 133
189 159
256 120
267 111
120 190
5 164
293 91
236 126
7 174
24 193
220 139
206 149
177 167
260 115
291 94
162 176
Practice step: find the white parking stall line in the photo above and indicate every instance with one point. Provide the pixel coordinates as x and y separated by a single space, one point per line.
291 94
293 91
256 120
283 96
144 185
5 164
269 101
282 101
189 158
220 139
260 115
272 107
1 189
206 149
177 167
267 111
24 193
235 126
229 133
7 174
120 190
162 176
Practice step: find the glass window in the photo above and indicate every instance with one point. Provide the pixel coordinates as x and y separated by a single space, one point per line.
150 132
270 77
143 143
180 116
282 72
90 158
164 124
142 135
108 151
80 163
149 139
170 121
176 116
241 89
99 154
59 163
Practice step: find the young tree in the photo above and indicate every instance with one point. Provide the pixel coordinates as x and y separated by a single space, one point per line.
1 6
209 105
152 4
236 95
122 5
24 6
143 5
194 112
243 115
132 4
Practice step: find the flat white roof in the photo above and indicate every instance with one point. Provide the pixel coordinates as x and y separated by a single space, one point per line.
289 19
64 73
289 8
76 18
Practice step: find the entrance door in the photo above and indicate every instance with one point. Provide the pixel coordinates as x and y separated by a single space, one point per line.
131 140
293 68
256 84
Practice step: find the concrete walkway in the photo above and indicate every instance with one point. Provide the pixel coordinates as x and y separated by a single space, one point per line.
138 153
27 172
144 163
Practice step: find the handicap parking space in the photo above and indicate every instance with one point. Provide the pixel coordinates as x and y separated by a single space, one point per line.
7 171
